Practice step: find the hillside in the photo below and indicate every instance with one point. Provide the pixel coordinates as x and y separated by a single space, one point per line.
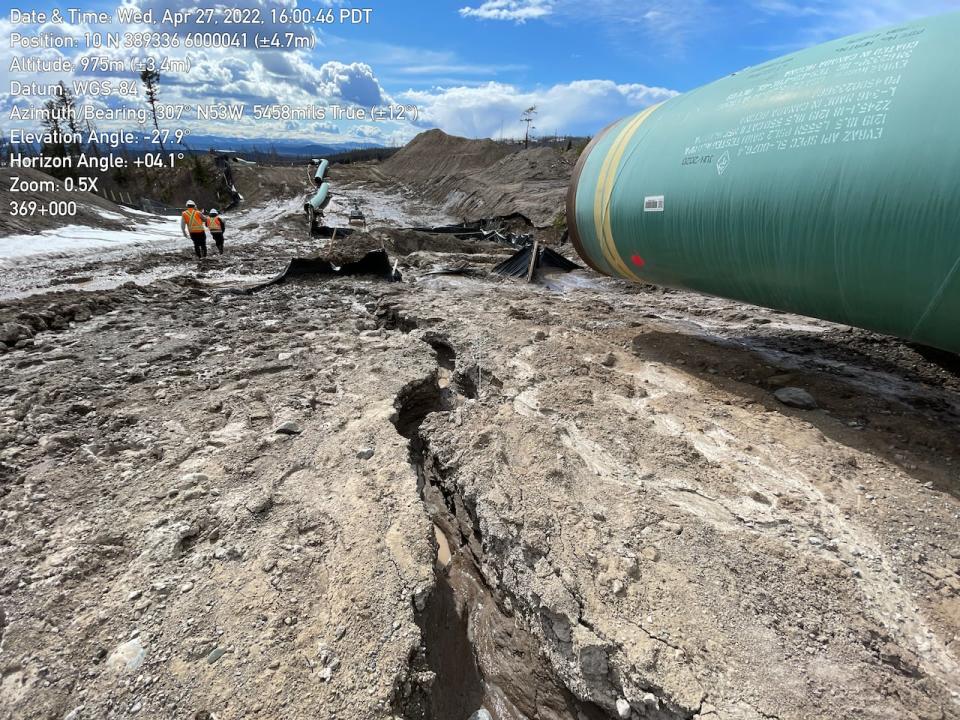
480 179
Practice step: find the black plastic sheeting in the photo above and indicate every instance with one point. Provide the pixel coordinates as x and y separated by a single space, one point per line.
375 262
508 238
467 228
325 231
223 165
462 269
518 264
475 231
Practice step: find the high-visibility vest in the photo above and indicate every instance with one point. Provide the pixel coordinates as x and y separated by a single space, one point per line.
214 227
193 219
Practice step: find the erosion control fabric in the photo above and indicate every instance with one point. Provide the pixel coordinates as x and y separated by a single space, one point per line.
375 262
826 182
518 264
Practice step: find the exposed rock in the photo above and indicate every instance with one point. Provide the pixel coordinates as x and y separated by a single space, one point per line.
11 333
59 442
288 428
796 398
365 453
192 479
259 502
127 656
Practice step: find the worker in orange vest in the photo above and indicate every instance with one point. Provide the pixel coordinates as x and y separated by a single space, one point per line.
192 226
217 226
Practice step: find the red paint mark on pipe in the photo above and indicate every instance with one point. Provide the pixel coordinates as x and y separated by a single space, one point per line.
638 261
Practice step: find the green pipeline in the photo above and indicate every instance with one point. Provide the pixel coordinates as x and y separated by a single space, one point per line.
825 183
319 199
321 171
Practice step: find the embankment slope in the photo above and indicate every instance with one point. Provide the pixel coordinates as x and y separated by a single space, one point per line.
478 179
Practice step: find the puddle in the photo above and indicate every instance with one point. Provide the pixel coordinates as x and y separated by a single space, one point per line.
381 208
444 555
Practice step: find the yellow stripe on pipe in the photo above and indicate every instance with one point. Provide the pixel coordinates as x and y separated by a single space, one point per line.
605 184
601 197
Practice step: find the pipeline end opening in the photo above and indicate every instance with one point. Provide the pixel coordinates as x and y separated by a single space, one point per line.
572 198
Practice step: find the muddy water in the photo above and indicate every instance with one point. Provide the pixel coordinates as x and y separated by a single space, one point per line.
444 556
382 208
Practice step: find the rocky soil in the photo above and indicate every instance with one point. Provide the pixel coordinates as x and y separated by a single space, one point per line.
350 498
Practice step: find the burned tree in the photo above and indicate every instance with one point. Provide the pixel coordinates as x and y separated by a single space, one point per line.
150 77
62 131
527 117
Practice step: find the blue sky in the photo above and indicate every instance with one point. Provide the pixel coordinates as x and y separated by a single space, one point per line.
471 66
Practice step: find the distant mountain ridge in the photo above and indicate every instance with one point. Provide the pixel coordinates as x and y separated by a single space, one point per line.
284 147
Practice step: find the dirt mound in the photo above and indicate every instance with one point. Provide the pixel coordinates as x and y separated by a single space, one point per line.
476 179
432 156
262 183
198 178
532 183
404 242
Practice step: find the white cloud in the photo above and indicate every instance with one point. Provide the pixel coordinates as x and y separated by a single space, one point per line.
65 29
367 132
493 109
667 24
671 26
512 10
355 83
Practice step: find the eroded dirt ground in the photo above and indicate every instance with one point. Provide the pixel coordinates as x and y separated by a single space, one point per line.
349 498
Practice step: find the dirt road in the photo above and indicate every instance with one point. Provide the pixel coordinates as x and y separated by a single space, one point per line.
348 498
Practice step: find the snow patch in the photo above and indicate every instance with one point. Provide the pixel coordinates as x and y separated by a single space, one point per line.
74 238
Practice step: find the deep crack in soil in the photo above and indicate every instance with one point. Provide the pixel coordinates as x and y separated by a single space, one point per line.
475 652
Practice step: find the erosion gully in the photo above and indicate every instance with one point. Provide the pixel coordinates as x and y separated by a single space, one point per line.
476 660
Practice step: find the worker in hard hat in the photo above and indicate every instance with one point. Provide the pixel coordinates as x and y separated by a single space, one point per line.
192 226
216 225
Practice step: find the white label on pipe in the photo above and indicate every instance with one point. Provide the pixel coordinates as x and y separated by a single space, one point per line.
653 203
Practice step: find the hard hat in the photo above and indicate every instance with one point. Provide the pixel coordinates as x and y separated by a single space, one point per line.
191 203
213 211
